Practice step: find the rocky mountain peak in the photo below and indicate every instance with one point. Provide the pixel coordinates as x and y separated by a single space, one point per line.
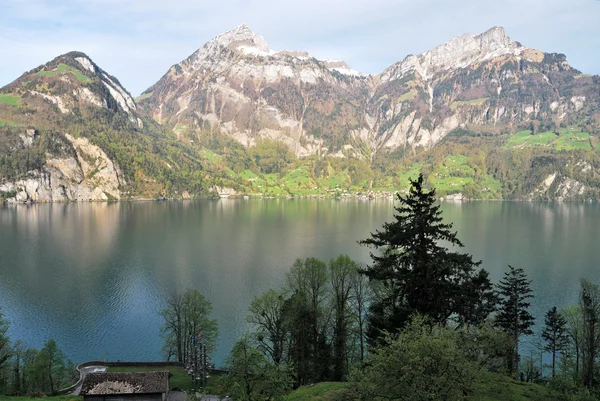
71 80
459 52
242 38
494 38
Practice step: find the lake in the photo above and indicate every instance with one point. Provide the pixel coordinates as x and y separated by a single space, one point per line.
93 276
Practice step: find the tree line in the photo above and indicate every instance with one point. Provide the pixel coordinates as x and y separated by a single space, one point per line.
421 322
26 370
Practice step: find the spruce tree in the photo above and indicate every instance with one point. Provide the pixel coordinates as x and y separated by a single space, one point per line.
513 315
555 334
419 275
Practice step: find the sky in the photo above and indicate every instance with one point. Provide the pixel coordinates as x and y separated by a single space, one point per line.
138 40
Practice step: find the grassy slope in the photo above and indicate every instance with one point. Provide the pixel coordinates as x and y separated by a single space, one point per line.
493 388
317 392
65 69
498 387
569 139
11 100
60 398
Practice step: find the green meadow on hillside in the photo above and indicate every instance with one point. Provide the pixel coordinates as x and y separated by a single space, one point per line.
571 138
65 69
12 100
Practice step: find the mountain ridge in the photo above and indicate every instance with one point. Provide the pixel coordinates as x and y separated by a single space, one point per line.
235 111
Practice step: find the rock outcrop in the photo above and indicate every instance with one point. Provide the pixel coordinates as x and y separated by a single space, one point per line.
238 86
90 176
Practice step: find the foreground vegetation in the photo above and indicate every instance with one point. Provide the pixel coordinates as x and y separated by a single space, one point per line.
55 398
422 322
493 387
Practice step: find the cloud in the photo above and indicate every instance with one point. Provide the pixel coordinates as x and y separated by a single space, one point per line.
137 41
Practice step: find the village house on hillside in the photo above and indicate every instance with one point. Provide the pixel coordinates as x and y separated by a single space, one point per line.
126 386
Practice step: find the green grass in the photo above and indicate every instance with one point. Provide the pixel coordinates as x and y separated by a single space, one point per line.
65 69
493 387
496 387
181 129
9 123
210 155
272 179
453 174
582 76
571 138
409 172
296 178
327 391
407 96
248 175
12 100
25 398
334 179
474 102
143 96
180 378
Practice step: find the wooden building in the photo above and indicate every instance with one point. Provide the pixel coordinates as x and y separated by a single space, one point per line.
126 386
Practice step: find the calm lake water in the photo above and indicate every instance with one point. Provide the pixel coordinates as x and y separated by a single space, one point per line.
93 276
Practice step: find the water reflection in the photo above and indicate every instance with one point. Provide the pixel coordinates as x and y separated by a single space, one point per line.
93 276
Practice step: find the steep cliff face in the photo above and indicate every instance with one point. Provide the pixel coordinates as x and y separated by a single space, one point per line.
236 85
86 175
45 151
485 83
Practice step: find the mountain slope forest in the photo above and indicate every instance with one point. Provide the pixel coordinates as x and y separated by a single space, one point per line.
481 116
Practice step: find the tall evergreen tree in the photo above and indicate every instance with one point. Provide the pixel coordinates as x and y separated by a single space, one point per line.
555 334
513 315
419 275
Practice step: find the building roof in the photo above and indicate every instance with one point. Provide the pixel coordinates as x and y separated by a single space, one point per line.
125 383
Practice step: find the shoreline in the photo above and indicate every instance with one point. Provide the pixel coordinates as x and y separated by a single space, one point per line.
363 198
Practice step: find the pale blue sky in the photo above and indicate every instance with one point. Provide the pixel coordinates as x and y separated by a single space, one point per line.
138 40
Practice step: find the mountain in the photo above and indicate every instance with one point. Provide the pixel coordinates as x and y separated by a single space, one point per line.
70 131
236 86
481 116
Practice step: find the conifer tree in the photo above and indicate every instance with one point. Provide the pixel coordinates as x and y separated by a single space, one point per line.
555 334
513 315
418 274
590 308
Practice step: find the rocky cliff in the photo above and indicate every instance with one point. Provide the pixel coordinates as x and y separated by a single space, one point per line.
70 132
236 85
88 175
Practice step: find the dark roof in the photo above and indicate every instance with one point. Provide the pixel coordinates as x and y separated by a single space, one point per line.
125 383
